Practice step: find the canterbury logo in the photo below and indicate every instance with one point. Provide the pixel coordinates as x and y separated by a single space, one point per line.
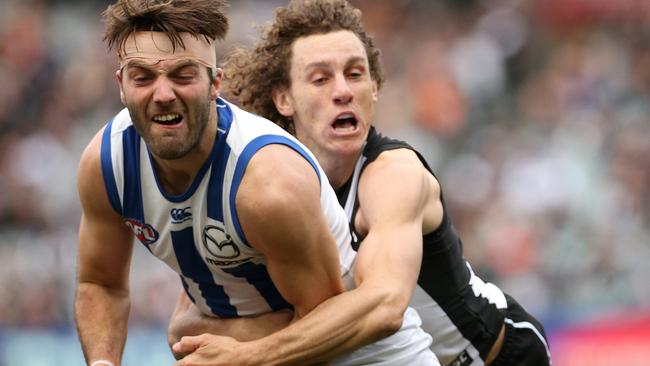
180 215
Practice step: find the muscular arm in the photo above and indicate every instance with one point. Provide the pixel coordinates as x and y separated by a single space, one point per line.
394 193
105 245
279 209
398 199
188 320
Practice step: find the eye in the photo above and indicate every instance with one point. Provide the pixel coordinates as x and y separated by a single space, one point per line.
185 78
142 79
185 75
318 81
319 76
140 76
355 73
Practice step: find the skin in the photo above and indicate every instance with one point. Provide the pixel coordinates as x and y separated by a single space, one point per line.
399 200
142 80
286 223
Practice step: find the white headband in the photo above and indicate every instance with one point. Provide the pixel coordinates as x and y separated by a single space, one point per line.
156 47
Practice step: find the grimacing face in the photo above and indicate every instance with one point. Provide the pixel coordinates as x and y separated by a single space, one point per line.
169 102
332 95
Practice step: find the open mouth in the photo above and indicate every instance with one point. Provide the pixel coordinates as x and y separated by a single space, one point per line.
168 119
346 122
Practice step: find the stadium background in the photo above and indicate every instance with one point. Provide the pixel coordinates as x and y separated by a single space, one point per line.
535 115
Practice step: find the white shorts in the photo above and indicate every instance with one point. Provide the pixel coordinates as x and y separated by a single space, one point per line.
409 346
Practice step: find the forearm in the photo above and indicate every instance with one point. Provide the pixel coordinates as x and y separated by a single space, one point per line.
241 329
188 320
101 315
336 327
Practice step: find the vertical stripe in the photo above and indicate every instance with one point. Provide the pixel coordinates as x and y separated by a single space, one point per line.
132 200
186 287
221 152
107 169
215 184
258 276
225 114
193 267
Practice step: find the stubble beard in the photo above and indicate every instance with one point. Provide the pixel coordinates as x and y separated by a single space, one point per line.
179 147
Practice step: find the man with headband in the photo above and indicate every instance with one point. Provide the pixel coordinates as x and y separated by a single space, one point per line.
234 204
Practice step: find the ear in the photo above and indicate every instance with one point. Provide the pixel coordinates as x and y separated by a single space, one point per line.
215 85
375 91
282 101
118 77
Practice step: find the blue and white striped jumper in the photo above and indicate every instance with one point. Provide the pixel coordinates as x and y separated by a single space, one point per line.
198 233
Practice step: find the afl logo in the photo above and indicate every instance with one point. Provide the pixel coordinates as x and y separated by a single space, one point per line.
144 232
218 243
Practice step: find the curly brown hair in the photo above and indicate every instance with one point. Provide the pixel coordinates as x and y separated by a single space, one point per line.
197 17
251 74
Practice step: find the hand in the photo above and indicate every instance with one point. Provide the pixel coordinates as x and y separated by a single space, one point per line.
213 350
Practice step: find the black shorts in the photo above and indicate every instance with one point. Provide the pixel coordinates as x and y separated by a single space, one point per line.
525 341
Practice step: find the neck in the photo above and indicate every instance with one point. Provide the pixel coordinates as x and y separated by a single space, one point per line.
339 169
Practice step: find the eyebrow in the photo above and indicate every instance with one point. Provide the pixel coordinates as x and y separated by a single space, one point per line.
324 64
148 66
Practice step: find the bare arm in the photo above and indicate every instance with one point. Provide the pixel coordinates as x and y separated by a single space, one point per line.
104 256
395 193
188 320
279 208
278 204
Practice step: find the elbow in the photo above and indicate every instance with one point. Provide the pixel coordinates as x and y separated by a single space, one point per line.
391 310
393 321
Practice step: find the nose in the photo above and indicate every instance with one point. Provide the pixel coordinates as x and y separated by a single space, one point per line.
342 93
163 91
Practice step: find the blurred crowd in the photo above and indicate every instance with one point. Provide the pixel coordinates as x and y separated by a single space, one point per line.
534 114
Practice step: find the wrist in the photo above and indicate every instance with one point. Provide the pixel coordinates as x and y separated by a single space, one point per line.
264 351
102 363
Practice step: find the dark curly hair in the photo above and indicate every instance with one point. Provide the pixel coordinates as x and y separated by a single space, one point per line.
198 17
251 74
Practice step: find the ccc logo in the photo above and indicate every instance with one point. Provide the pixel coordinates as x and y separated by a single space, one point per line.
180 215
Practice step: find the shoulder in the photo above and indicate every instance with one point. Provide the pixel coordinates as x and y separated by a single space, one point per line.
278 196
91 156
90 161
276 176
398 174
90 178
401 160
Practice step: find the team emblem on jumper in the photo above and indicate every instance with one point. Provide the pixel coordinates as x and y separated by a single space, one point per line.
220 246
144 232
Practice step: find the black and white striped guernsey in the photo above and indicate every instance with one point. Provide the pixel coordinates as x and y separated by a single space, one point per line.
462 313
